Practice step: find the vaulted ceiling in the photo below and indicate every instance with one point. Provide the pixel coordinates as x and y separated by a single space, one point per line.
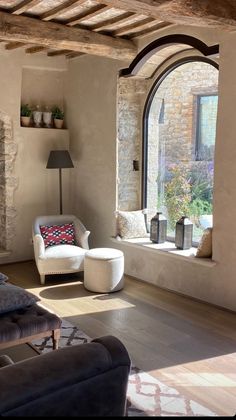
105 28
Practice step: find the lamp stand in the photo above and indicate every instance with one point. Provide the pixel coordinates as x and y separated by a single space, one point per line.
60 189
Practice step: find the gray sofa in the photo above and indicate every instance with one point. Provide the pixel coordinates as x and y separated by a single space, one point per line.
87 380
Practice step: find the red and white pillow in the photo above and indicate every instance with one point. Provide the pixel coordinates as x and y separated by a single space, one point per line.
58 234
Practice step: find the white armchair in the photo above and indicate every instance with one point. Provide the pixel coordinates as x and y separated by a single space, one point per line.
63 258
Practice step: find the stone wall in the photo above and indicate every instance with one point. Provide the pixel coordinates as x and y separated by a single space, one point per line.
174 138
131 95
8 182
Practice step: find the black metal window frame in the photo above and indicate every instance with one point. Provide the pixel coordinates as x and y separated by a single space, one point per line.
146 111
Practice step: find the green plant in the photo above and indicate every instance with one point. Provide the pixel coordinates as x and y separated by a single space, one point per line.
199 207
25 110
177 195
57 113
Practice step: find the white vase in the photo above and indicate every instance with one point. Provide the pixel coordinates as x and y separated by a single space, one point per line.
37 115
47 119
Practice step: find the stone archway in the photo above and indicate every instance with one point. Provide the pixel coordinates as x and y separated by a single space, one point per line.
8 182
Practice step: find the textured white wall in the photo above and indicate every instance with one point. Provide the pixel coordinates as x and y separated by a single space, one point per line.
37 191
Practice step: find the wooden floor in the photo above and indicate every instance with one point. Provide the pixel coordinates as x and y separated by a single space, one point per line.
186 344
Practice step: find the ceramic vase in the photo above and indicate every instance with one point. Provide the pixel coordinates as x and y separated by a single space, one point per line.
47 119
25 121
58 123
37 115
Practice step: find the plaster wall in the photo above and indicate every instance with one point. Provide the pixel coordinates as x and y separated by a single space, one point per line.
91 101
90 189
36 190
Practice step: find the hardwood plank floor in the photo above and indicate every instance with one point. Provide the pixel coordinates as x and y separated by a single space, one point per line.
186 344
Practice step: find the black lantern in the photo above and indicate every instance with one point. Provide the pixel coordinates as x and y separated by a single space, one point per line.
183 233
158 228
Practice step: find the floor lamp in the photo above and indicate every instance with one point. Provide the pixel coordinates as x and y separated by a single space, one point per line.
59 159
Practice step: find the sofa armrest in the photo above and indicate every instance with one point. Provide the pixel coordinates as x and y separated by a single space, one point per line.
39 247
82 380
5 360
81 234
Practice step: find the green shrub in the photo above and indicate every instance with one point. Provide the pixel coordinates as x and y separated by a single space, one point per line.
199 207
177 195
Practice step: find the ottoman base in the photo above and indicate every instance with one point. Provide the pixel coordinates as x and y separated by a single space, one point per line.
104 270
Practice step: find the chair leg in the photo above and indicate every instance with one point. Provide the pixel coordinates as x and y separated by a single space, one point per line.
55 338
42 278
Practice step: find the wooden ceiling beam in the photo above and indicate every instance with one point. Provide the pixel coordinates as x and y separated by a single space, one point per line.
217 13
57 36
14 45
100 26
35 49
73 55
24 6
132 26
62 8
58 52
149 31
88 14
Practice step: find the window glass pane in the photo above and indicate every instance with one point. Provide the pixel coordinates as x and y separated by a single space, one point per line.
207 113
179 182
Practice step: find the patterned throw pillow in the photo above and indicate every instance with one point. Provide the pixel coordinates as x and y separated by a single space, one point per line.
58 234
131 224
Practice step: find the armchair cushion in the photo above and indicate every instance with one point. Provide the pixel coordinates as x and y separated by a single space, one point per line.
13 297
63 258
58 234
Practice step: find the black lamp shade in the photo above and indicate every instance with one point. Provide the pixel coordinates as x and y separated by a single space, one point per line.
59 159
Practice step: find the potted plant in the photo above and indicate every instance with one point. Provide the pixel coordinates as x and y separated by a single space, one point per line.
25 115
58 116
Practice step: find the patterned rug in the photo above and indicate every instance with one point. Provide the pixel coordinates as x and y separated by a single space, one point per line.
146 395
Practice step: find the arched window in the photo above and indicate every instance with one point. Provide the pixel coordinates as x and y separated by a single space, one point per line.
179 140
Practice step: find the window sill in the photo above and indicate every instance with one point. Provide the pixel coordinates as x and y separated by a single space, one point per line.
167 248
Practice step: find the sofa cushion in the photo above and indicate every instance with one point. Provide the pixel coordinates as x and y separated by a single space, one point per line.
13 297
131 224
3 278
58 234
26 322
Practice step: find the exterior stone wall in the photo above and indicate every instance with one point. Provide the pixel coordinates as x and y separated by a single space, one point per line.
131 94
177 132
174 143
8 182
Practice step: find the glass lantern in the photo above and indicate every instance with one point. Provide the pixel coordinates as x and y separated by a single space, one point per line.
158 228
183 233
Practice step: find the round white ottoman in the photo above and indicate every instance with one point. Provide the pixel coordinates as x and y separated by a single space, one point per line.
104 270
